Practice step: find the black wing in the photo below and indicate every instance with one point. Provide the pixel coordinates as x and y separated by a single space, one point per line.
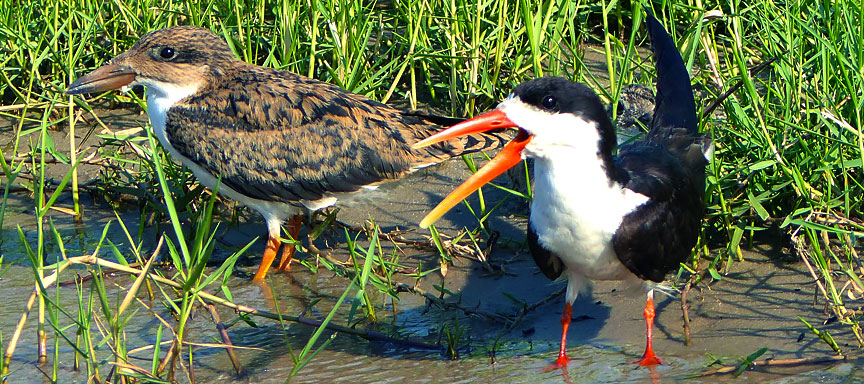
668 167
658 235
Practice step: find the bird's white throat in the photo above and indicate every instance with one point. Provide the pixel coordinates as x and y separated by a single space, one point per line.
160 97
553 134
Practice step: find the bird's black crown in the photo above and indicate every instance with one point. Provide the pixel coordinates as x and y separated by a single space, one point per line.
560 95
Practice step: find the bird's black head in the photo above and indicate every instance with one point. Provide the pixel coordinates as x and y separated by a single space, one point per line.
556 111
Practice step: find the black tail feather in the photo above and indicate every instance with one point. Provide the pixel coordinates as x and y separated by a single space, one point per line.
674 104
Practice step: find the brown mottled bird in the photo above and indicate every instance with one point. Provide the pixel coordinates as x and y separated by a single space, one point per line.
283 144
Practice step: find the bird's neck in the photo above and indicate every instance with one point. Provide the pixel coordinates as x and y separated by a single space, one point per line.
570 176
572 190
160 98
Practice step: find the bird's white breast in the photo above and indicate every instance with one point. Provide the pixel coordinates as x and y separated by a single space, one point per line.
576 208
160 98
576 211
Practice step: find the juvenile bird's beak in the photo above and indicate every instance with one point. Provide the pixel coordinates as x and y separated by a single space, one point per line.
509 156
107 77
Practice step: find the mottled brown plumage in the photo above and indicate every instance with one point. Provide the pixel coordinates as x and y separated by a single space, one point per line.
275 135
280 142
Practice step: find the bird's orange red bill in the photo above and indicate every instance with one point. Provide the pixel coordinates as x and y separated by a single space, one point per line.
509 156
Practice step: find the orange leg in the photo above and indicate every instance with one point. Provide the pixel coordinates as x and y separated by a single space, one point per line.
561 362
269 255
565 324
649 358
294 224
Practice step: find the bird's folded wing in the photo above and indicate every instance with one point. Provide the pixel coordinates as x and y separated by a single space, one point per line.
289 143
657 235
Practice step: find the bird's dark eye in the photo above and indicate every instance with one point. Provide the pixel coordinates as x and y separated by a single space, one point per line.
549 102
167 53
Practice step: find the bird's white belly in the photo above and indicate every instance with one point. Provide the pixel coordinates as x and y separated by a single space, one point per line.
584 247
575 215
274 212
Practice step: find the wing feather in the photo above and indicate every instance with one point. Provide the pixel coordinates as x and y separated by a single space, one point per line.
278 136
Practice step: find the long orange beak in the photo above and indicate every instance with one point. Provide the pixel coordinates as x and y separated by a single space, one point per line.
509 156
105 78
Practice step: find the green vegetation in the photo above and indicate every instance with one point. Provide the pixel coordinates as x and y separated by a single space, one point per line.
789 140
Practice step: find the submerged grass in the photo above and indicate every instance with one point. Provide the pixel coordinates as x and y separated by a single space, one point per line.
788 157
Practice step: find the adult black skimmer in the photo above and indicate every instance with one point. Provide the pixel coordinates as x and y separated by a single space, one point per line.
281 143
596 216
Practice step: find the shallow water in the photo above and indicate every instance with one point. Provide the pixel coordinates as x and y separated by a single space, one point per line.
754 306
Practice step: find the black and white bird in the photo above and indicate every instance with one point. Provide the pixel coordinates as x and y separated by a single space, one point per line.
597 216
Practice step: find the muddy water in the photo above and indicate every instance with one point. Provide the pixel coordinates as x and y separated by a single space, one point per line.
755 306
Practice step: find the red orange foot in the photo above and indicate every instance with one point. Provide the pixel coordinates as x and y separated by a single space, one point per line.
560 363
648 361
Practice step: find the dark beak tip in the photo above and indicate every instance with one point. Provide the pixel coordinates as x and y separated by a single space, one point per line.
74 89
